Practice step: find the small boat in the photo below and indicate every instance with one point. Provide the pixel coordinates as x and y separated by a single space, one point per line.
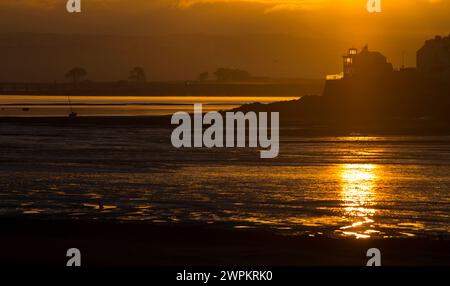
72 114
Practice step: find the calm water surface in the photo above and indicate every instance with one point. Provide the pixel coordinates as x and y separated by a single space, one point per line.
27 106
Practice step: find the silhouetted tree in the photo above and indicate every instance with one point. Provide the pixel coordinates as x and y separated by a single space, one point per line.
76 74
226 74
203 76
137 74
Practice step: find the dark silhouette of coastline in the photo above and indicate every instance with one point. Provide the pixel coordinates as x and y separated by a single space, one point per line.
371 95
368 96
398 101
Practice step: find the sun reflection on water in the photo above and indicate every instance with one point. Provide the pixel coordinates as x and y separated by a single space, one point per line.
358 197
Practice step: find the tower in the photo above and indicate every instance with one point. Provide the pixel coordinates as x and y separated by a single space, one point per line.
348 62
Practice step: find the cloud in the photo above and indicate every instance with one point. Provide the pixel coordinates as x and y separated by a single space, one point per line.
292 7
269 6
272 5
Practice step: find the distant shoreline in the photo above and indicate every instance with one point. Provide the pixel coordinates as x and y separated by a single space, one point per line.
181 88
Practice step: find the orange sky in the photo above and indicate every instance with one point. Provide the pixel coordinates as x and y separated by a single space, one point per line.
258 16
403 24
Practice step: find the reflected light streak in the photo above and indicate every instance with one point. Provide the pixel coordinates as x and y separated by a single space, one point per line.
358 196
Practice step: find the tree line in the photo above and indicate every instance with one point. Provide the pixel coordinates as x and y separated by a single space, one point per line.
138 75
77 74
225 74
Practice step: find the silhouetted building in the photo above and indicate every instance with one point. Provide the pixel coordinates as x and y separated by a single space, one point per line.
433 59
365 63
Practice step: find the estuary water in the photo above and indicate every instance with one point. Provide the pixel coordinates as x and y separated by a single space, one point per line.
53 106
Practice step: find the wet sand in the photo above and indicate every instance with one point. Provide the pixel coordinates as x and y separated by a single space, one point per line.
45 242
288 127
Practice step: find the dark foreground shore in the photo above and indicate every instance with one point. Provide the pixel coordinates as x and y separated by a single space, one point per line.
45 242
